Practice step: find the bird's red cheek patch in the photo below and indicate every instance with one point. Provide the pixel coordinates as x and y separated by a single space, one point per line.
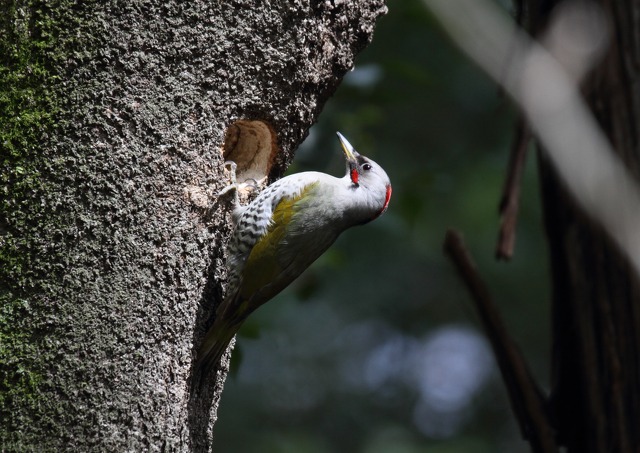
387 198
354 175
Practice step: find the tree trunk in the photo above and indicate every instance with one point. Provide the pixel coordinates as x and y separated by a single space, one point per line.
113 121
595 400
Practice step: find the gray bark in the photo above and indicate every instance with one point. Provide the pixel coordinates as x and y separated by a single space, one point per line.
113 120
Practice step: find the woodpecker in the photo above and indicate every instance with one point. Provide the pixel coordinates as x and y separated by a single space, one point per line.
285 229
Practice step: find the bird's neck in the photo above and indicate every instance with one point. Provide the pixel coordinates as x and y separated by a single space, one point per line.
361 205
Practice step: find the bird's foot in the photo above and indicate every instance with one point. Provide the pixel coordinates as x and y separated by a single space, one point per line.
235 187
231 166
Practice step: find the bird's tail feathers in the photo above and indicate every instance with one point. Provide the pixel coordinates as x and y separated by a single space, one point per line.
213 347
229 317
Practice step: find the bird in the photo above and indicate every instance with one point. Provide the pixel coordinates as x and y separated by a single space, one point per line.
282 231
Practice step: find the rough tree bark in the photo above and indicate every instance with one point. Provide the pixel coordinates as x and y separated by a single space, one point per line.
595 401
113 117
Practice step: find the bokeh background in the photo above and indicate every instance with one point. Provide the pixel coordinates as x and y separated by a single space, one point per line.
377 347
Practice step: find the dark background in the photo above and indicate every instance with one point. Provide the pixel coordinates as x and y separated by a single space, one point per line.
377 347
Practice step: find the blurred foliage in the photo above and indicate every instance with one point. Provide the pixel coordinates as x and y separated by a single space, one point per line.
377 347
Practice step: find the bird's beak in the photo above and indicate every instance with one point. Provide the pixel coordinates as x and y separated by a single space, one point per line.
352 159
350 153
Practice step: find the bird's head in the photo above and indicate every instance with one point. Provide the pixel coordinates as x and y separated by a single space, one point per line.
366 175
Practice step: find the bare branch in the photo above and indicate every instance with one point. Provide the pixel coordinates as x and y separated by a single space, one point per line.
510 201
526 399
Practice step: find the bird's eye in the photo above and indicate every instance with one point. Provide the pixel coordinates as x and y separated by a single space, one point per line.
366 167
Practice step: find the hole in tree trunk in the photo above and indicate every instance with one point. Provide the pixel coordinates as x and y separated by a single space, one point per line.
251 144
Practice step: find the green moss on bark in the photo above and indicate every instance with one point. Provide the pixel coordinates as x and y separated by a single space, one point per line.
27 107
17 380
28 111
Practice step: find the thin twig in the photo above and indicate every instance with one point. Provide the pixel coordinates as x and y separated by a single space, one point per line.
526 399
510 202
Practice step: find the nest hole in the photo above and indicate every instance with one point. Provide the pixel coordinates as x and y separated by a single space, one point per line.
252 145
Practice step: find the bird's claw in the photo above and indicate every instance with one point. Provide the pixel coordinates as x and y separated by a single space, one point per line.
231 166
253 184
234 186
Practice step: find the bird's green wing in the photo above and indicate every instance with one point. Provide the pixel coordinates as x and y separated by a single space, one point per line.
266 272
264 264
